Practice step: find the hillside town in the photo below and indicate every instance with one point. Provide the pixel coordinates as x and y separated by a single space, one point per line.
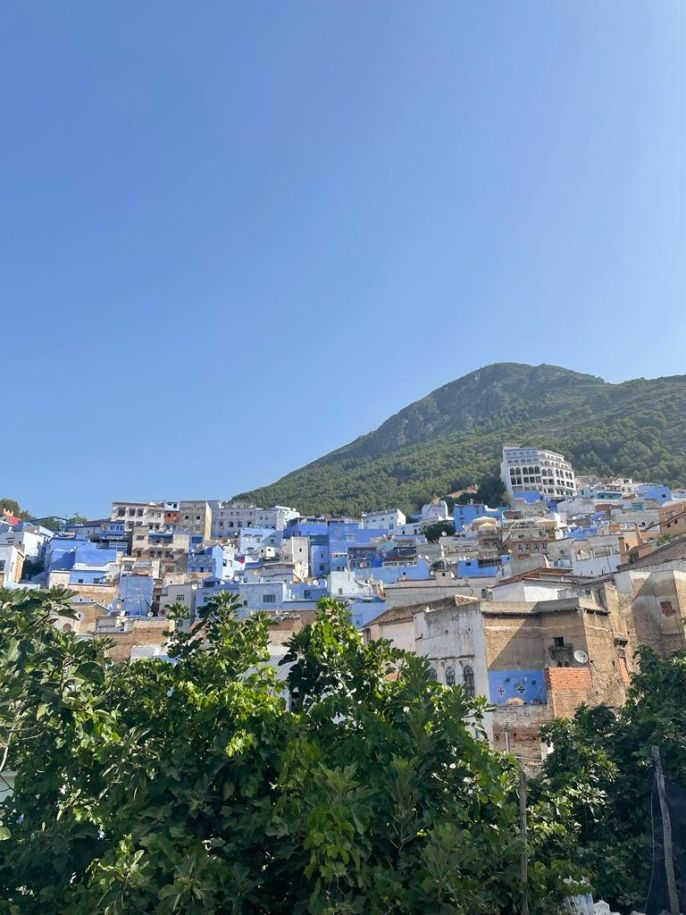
537 604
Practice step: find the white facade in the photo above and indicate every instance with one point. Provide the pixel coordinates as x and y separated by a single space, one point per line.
32 542
346 584
383 521
297 551
276 517
229 517
139 513
537 470
11 562
437 510
453 640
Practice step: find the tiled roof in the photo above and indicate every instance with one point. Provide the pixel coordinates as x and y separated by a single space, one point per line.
405 614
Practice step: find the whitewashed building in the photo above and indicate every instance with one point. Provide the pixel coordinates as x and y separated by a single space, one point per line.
526 469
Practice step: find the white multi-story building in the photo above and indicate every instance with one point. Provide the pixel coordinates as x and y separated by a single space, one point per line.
150 514
229 517
383 521
537 470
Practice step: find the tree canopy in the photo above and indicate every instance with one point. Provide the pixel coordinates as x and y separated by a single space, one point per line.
199 785
601 770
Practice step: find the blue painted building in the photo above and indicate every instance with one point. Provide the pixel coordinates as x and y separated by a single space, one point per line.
480 568
135 594
654 493
465 514
207 561
365 609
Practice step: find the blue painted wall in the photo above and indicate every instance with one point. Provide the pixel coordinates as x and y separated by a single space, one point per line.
527 685
135 592
465 514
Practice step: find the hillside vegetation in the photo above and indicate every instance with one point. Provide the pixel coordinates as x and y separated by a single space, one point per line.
453 437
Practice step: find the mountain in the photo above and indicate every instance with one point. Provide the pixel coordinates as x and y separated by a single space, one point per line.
452 438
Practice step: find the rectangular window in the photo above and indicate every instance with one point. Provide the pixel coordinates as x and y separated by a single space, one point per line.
269 598
2 565
559 641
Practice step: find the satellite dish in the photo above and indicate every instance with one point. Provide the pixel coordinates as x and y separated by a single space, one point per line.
580 656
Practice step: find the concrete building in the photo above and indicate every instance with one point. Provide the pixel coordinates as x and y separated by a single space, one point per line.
130 635
533 661
195 516
31 539
673 519
391 521
181 593
525 469
171 513
135 597
229 517
167 550
150 514
297 550
440 585
11 564
436 510
652 599
464 515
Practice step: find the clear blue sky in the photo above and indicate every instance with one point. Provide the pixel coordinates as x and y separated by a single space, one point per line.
235 235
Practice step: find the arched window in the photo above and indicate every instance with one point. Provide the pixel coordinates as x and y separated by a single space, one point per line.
450 676
468 680
432 673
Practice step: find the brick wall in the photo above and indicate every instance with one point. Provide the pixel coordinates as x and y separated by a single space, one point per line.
568 687
517 730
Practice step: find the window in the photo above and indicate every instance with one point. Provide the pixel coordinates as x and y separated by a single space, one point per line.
666 607
468 680
559 641
450 676
2 565
269 598
432 673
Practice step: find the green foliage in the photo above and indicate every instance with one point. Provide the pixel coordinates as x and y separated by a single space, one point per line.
600 770
454 437
13 507
190 787
434 532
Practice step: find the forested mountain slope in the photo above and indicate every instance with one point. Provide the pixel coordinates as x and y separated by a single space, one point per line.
452 438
